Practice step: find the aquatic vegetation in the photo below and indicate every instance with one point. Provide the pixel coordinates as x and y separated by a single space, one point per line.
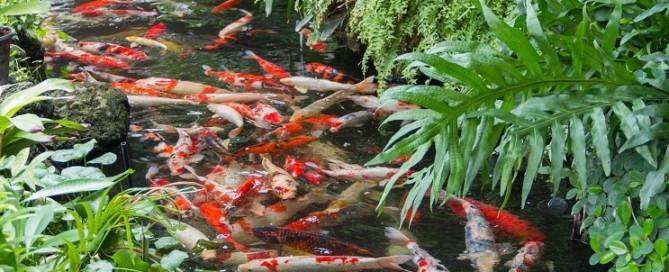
574 96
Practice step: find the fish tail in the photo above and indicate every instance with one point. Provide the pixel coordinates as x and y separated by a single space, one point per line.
396 236
366 86
393 262
250 54
206 68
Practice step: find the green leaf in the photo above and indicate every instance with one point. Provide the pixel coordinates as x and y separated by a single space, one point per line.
611 32
78 185
514 39
125 259
559 138
624 212
457 176
618 247
163 242
28 122
172 260
450 69
16 101
607 257
66 155
577 137
99 266
657 110
533 163
106 159
535 30
654 183
629 126
600 139
655 132
657 8
24 9
36 224
661 247
19 163
81 172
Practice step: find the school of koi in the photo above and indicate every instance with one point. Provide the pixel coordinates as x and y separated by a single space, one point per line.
247 203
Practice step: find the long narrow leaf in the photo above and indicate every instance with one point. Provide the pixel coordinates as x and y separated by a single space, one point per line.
611 32
577 138
600 139
629 126
445 67
559 138
533 163
535 30
14 102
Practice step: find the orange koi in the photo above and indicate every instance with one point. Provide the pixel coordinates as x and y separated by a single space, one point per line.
318 46
132 89
117 12
330 73
236 26
302 126
225 5
182 203
96 4
214 217
90 59
276 146
299 168
504 221
317 244
155 31
275 70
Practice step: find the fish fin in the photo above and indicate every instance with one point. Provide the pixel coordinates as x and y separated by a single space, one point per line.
366 86
188 176
301 90
235 132
505 248
250 54
133 45
316 133
396 236
195 158
393 262
206 67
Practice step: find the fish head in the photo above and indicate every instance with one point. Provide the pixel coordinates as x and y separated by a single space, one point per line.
267 234
284 186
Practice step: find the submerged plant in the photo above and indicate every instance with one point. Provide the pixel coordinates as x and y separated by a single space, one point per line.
574 96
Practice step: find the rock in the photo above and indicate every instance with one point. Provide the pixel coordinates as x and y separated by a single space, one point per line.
105 109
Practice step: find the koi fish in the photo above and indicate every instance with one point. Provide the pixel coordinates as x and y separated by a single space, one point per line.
178 87
504 221
281 182
214 217
97 4
481 248
302 84
225 5
354 119
117 12
183 149
236 26
192 131
276 146
237 258
236 97
111 78
380 109
113 49
230 114
135 40
133 89
298 168
275 70
329 73
320 105
528 256
324 263
317 244
356 172
425 261
150 101
261 115
155 31
90 59
246 81
301 126
318 45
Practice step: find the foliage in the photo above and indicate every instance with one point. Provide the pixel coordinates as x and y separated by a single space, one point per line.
22 15
388 27
20 68
579 93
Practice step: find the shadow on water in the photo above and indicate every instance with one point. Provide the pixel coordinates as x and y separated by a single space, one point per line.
439 231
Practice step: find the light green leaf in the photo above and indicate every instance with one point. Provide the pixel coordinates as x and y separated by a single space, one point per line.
19 162
450 69
618 247
168 241
79 172
172 260
629 126
268 7
624 212
36 224
24 9
28 122
533 163
600 139
106 159
78 185
657 8
66 155
577 138
559 138
661 247
611 32
99 266
16 101
535 30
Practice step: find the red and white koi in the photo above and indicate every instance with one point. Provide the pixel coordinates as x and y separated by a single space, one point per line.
246 81
113 49
111 78
381 108
275 70
230 114
236 26
481 247
151 101
528 257
134 89
301 126
276 145
261 115
302 84
424 261
356 172
281 182
324 263
355 119
298 168
329 73
318 45
237 97
97 4
225 5
182 154
89 59
178 87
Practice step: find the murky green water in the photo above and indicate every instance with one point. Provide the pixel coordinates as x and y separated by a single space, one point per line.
439 231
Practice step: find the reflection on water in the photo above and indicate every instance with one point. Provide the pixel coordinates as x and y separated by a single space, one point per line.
191 25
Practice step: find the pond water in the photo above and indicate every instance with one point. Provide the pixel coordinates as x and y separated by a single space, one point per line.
189 24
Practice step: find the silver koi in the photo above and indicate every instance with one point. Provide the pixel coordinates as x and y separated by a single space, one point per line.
481 247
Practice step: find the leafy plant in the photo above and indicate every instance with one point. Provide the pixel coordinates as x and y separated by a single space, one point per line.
22 15
573 95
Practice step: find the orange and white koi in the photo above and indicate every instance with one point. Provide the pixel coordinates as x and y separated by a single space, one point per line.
155 31
113 49
237 97
301 126
481 247
354 119
192 131
145 42
276 146
317 244
214 216
261 115
356 172
236 26
528 256
246 81
178 87
97 4
329 73
302 84
230 114
324 263
299 168
381 108
237 258
275 70
151 101
90 59
315 108
281 182
225 5
181 155
117 12
133 89
424 261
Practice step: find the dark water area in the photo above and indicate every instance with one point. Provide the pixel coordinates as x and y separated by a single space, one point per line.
438 231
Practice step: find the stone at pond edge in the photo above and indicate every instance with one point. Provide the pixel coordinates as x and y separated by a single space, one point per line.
106 110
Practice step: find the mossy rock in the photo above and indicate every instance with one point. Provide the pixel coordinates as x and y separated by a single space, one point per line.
105 109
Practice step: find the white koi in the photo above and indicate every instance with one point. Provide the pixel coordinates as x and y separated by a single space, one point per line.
315 108
282 183
324 263
135 40
230 114
236 26
302 84
149 101
354 119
